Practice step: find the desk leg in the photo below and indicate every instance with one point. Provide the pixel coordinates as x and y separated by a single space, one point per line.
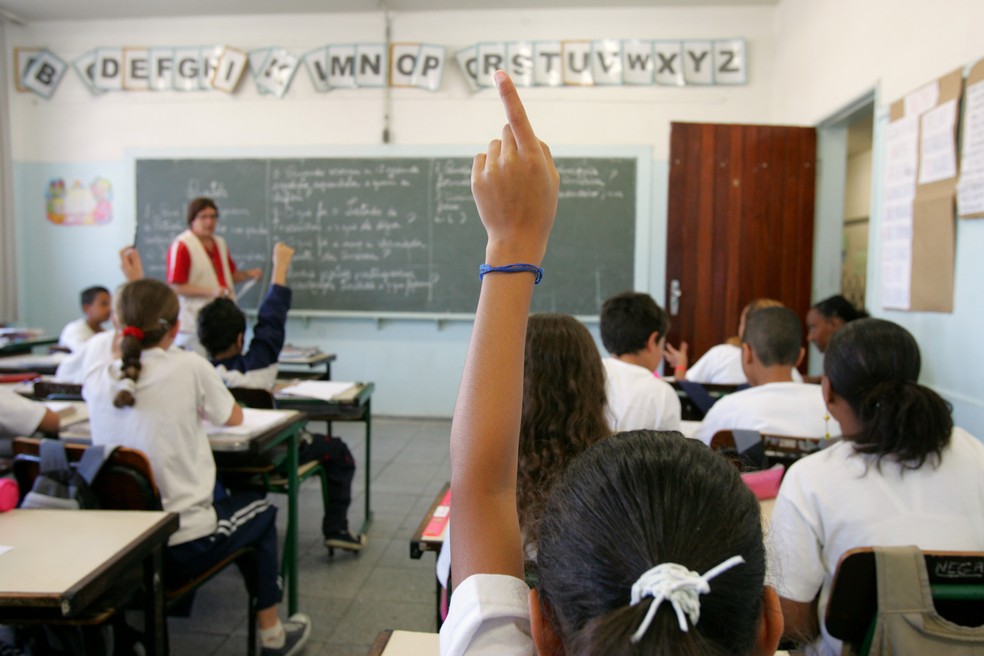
290 542
367 520
155 624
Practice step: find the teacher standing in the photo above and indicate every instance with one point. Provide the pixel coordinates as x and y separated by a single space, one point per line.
200 268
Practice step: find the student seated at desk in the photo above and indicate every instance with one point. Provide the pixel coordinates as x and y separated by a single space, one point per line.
104 346
903 475
633 329
20 416
775 404
563 414
150 400
649 543
96 306
721 365
222 330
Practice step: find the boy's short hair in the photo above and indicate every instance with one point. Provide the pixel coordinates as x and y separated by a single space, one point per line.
219 324
89 294
774 334
627 321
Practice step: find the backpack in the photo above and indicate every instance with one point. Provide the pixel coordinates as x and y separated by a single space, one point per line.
64 486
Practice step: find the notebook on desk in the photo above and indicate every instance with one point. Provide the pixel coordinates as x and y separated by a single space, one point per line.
324 390
254 423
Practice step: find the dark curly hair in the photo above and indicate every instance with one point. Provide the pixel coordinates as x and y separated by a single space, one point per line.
219 324
563 408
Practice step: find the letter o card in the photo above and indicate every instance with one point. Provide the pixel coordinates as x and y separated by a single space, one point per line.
44 73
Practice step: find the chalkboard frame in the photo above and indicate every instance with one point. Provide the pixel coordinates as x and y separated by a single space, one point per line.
642 155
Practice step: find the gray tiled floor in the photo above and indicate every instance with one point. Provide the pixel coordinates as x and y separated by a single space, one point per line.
349 598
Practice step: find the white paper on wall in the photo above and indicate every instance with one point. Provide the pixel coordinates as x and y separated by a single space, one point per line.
44 74
136 69
729 62
698 62
638 62
85 67
938 145
277 72
970 190
403 62
576 62
187 68
491 57
901 160
161 69
371 62
922 99
668 61
210 57
519 62
547 64
109 69
430 67
468 61
341 66
606 61
229 70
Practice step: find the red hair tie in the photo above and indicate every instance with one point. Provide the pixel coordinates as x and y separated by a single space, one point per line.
133 331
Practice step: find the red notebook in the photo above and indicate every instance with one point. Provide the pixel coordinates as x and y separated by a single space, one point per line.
19 378
435 527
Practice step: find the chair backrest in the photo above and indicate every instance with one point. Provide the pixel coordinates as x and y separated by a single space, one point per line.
744 447
252 397
956 580
125 482
65 391
788 449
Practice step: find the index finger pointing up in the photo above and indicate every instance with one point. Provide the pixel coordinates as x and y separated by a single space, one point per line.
515 113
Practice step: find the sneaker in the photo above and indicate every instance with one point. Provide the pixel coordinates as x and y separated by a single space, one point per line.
297 628
345 540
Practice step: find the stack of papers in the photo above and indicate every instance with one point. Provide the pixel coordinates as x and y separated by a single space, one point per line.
291 352
324 390
254 422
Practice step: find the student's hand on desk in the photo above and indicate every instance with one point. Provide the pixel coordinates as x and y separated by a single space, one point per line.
515 185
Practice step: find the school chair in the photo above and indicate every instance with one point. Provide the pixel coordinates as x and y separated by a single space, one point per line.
745 448
956 583
272 476
126 482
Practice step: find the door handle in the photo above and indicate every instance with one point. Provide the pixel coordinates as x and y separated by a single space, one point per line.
675 295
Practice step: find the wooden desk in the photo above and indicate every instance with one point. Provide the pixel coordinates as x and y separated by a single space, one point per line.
353 405
42 363
305 367
405 643
64 561
237 449
21 346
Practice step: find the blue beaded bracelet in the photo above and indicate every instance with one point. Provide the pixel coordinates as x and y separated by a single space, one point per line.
512 268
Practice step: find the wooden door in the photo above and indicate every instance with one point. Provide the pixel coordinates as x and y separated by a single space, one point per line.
740 225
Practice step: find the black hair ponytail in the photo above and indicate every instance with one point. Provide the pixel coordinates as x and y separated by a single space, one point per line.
874 365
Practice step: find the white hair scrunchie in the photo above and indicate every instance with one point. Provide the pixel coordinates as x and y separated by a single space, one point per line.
126 384
678 585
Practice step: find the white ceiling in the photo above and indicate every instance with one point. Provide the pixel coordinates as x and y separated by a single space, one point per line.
45 10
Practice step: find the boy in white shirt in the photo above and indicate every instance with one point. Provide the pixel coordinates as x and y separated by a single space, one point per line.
775 404
633 329
96 306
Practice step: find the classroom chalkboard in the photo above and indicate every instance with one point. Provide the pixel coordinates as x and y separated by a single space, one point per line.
381 235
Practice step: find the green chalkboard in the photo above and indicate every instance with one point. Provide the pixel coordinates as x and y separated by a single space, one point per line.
384 235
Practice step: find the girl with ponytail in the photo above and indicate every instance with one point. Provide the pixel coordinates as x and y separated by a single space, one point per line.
902 475
153 399
649 543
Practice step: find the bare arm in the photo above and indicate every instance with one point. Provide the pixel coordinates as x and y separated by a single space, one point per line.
131 264
236 417
50 422
247 274
515 186
802 625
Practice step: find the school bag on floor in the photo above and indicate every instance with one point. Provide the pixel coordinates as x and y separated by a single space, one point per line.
64 486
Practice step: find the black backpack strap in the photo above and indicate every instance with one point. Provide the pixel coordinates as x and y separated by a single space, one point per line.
93 459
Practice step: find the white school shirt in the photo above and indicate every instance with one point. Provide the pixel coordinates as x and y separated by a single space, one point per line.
794 409
637 399
721 365
836 500
174 391
489 614
74 334
93 352
19 416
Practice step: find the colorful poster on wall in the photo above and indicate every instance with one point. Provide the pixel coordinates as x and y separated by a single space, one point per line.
79 204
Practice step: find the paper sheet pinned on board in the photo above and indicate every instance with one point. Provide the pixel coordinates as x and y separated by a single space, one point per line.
970 189
902 155
324 390
938 146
